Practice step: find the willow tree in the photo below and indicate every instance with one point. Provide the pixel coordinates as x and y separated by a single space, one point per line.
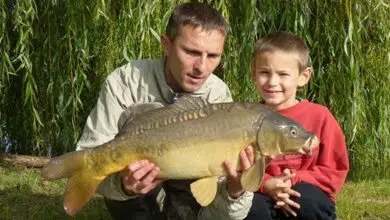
55 55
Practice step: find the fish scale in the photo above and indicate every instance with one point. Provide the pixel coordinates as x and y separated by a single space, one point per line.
189 139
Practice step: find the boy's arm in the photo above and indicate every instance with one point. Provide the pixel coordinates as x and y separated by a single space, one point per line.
332 165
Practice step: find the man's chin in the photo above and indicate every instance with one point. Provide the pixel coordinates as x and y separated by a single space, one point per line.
189 88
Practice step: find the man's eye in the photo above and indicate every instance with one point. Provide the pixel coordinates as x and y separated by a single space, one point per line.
213 56
192 53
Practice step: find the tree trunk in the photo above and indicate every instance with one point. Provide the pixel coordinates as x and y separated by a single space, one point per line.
24 160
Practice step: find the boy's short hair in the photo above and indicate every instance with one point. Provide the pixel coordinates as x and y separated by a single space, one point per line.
197 15
286 42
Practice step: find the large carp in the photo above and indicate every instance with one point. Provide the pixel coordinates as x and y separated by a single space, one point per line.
187 140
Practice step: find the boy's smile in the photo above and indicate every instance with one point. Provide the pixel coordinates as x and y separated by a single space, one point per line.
277 78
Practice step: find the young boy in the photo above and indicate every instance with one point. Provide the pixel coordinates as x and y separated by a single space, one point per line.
297 186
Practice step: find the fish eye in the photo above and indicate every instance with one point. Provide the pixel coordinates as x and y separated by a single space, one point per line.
293 131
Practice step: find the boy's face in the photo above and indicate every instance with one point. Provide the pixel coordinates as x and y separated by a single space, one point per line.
191 57
277 78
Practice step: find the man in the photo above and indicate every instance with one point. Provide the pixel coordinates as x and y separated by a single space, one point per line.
192 46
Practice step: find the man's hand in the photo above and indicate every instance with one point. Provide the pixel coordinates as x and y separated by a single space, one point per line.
234 186
140 177
279 188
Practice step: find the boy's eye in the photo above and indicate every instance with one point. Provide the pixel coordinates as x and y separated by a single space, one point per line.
284 74
262 72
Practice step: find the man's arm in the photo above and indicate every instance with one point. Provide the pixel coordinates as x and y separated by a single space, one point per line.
102 126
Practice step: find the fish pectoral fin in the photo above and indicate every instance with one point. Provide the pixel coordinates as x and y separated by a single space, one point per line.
204 190
251 179
79 190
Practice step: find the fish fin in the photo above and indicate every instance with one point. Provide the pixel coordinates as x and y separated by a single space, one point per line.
251 179
204 190
64 165
134 111
79 190
138 120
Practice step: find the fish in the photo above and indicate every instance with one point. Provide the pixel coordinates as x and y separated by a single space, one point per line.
189 139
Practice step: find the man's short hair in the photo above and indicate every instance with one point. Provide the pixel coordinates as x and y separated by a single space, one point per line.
197 15
286 42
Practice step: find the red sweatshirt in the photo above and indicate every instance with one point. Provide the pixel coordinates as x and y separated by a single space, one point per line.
327 167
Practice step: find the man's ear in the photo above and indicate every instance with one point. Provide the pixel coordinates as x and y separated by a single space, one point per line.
165 44
304 77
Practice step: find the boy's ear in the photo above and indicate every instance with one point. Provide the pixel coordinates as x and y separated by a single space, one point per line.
304 77
165 44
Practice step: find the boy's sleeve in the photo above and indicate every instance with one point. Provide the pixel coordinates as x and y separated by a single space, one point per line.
330 171
223 207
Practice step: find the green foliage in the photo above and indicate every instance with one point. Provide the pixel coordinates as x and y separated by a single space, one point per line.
56 54
23 195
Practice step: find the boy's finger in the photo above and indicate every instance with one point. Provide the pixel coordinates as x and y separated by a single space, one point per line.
288 176
292 192
283 196
289 210
291 203
283 185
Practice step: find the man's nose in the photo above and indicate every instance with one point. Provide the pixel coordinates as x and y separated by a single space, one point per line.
200 64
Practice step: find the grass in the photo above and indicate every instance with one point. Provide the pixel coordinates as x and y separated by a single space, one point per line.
23 195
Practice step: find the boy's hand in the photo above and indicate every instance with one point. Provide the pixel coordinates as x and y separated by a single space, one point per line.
284 202
140 177
279 188
247 159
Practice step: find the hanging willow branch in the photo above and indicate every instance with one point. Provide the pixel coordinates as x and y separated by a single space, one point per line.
56 54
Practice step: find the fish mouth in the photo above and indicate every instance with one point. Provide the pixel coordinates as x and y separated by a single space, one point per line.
308 146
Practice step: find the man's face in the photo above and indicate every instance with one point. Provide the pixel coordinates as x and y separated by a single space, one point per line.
191 57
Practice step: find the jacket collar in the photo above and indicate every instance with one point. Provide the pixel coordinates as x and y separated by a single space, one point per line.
166 92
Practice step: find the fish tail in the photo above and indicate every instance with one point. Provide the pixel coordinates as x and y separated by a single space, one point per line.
80 188
82 182
65 165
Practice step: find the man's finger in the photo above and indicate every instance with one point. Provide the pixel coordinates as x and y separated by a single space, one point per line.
150 176
250 154
141 172
136 165
149 187
244 161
